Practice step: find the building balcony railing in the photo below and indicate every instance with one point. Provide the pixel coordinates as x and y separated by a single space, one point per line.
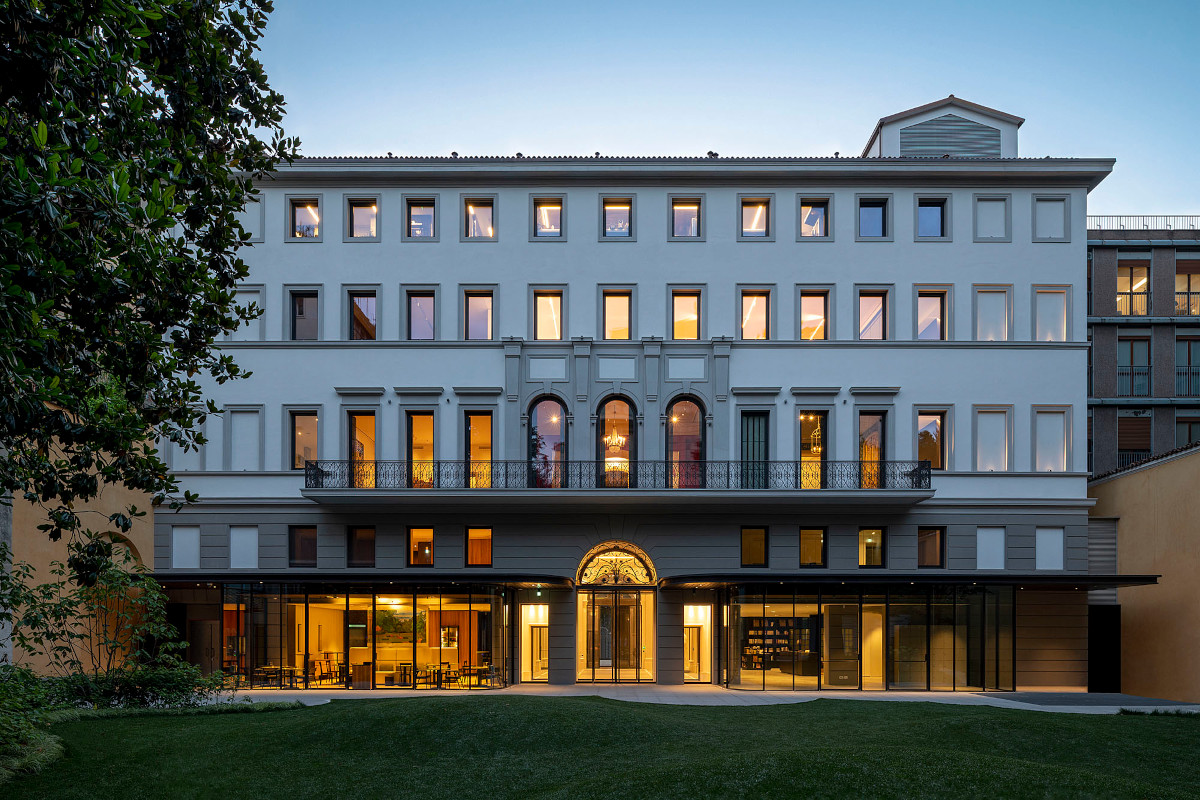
1187 304
1187 381
651 475
1133 381
1127 458
1133 304
1143 222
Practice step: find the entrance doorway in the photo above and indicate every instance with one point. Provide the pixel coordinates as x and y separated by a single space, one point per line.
697 643
616 636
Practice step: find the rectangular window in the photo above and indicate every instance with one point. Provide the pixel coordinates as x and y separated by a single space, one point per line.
547 218
814 219
931 547
991 441
547 316
755 315
872 315
618 218
1048 550
814 316
420 449
479 547
361 426
685 218
1050 219
931 443
420 547
617 307
756 219
305 218
362 218
812 547
362 316
302 546
1050 441
245 438
931 316
754 547
304 438
1133 291
872 218
360 547
1133 367
685 315
989 548
870 547
243 547
185 547
480 219
813 451
420 316
991 315
991 219
479 449
420 218
1051 315
931 218
478 316
1187 431
304 316
871 435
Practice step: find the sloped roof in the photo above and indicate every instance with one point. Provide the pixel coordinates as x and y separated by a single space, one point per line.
949 101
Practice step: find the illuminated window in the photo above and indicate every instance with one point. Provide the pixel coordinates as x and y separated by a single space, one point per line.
870 547
479 215
931 316
304 215
685 315
872 315
931 218
478 316
362 218
812 547
304 316
362 316
479 449
420 316
360 547
814 316
685 444
547 316
931 444
362 448
616 444
617 218
686 218
814 218
931 547
756 221
548 218
421 467
754 547
547 444
304 437
617 306
755 316
1133 291
420 547
479 547
420 218
873 218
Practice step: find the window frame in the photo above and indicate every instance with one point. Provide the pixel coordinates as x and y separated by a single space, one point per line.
406 202
348 199
889 229
539 290
289 229
1008 203
943 290
289 323
766 534
1068 439
1039 551
883 547
1065 291
941 530
467 562
801 199
350 564
350 292
292 560
627 290
976 410
698 292
290 414
698 198
759 290
466 292
947 414
534 199
408 546
1007 290
1003 546
743 198
825 289
467 197
824 548
871 291
632 200
947 221
407 292
1033 224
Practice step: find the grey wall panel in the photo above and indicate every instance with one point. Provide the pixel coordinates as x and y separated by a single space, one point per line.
391 546
214 547
563 668
670 636
1052 639
331 547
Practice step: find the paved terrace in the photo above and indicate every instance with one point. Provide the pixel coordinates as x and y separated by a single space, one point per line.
1058 702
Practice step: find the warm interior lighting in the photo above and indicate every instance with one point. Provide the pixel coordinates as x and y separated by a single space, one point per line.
312 212
1139 284
614 440
687 208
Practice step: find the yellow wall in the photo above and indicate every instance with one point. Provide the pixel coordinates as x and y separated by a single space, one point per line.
1158 533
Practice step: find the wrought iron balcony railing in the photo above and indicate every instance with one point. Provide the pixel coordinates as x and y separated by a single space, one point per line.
1187 381
1187 304
1133 381
750 475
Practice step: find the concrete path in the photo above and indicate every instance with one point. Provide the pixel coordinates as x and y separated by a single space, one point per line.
1057 702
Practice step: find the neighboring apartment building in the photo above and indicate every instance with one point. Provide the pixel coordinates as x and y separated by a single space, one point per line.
1144 326
769 423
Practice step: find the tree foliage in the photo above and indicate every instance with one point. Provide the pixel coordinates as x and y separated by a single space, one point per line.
130 133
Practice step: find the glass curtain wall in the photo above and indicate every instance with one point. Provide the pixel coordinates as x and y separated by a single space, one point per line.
942 638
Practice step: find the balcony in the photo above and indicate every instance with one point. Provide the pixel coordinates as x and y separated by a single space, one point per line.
1143 222
1187 381
1133 381
1187 304
357 481
1133 304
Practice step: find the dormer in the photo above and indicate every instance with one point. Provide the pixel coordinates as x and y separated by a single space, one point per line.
950 127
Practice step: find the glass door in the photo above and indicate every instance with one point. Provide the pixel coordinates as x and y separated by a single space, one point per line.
616 631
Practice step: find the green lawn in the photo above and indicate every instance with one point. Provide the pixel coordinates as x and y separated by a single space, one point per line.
581 747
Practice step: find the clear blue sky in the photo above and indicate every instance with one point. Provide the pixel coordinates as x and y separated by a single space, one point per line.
1113 79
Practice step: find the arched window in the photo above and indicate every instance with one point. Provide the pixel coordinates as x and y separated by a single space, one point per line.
547 444
616 443
685 444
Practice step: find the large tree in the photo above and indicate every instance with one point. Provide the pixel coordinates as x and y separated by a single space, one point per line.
130 134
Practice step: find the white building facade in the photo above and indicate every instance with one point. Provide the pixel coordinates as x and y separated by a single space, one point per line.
770 423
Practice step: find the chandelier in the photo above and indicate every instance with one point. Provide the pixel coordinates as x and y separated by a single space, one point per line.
614 440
